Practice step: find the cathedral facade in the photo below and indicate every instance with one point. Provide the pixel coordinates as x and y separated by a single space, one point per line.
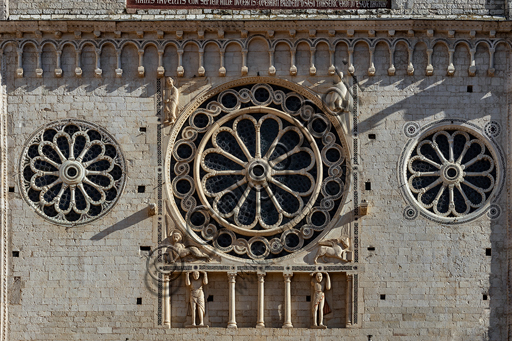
255 169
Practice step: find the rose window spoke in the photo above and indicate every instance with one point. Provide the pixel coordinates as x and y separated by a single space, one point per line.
452 173
73 172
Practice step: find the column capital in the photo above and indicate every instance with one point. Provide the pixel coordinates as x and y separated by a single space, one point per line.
232 277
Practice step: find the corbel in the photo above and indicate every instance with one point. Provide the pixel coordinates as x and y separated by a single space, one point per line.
19 70
38 34
491 69
371 33
270 34
160 34
391 33
351 69
201 70
430 69
140 69
430 33
312 33
244 33
180 70
472 66
451 34
332 33
39 69
200 34
119 70
451 68
78 69
222 69
492 34
58 34
78 34
371 69
312 68
140 34
97 34
245 69
391 69
179 35
58 69
293 68
118 34
332 68
350 33
160 71
410 67
272 68
292 33
98 71
220 33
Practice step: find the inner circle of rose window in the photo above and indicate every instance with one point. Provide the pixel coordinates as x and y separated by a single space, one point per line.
260 172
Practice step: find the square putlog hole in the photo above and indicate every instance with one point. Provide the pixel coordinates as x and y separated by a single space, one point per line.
210 298
141 189
139 300
308 298
15 254
142 129
368 186
372 136
11 189
383 297
488 252
470 88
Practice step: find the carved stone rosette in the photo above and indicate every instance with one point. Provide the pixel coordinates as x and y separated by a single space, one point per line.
72 172
257 170
453 173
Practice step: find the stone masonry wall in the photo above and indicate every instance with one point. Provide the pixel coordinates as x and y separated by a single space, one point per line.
82 283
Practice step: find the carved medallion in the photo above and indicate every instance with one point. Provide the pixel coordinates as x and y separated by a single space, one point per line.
72 172
452 173
257 171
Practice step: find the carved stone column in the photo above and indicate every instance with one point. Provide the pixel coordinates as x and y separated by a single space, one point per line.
232 311
167 301
261 301
287 301
348 300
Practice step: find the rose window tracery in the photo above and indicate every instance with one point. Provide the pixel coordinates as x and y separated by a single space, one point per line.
257 172
452 173
72 172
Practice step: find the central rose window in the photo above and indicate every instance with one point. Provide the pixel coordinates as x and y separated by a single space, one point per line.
257 172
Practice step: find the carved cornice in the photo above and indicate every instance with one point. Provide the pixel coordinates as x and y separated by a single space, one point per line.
251 26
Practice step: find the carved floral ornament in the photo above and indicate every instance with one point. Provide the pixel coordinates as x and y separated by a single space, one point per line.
72 172
257 171
452 173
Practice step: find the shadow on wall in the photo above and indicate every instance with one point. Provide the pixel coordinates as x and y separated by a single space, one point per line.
134 219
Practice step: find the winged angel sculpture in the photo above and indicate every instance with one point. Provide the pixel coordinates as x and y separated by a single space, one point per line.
177 249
